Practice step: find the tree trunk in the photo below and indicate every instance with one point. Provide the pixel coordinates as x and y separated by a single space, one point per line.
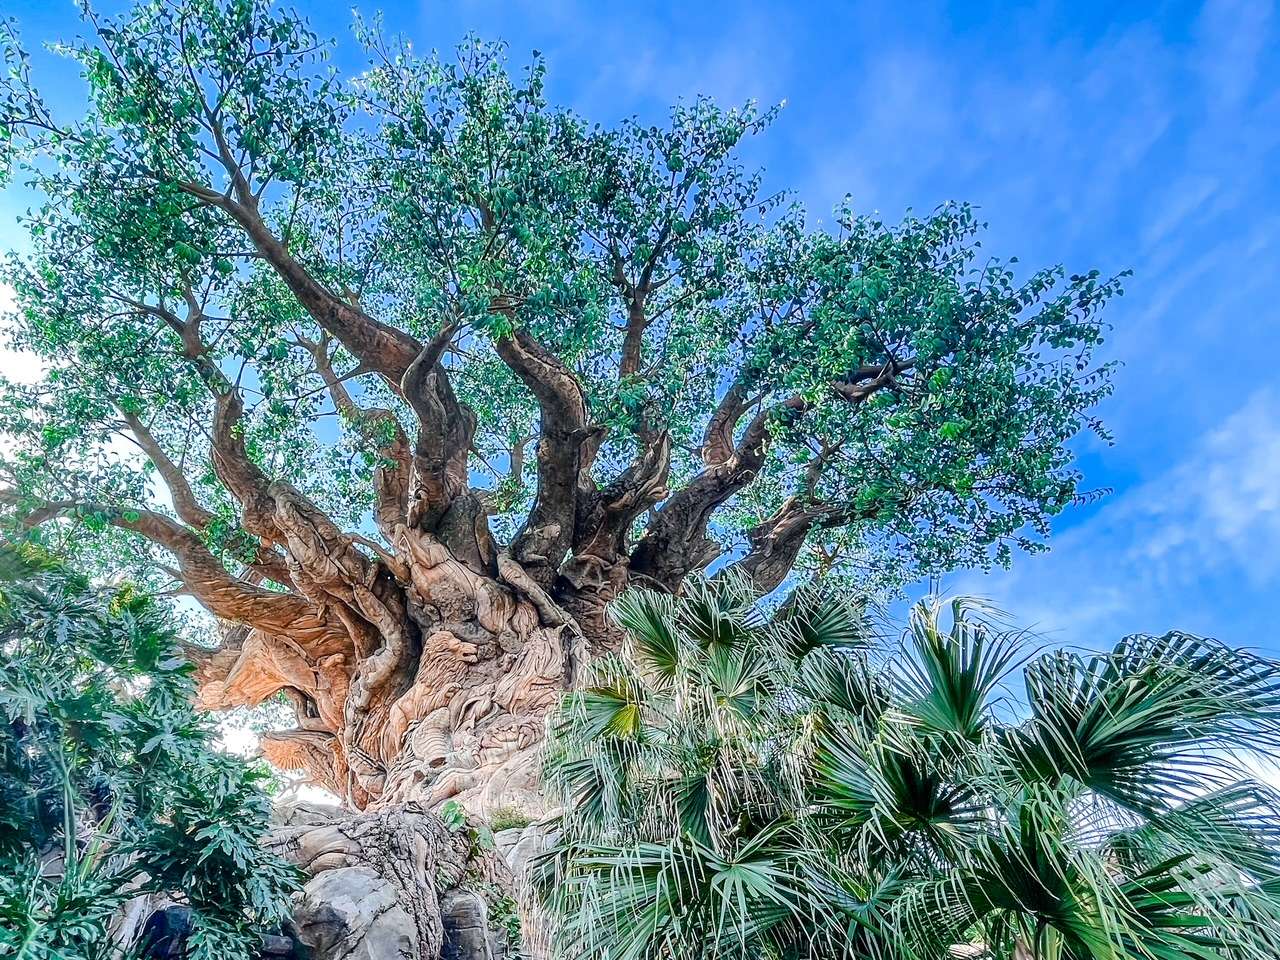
471 662
391 884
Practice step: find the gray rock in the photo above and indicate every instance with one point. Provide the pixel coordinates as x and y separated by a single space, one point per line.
466 926
276 946
388 885
302 813
534 839
352 913
505 840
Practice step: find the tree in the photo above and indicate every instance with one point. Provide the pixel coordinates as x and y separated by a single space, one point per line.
428 370
804 788
109 784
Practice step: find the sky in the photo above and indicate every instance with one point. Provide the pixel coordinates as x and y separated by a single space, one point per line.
1116 135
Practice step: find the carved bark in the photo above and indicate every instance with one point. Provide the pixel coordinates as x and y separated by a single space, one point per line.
426 684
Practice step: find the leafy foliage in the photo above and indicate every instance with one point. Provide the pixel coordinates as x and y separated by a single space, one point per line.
109 783
919 396
803 788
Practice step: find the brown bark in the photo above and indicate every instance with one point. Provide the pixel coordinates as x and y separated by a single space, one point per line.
423 670
547 534
676 542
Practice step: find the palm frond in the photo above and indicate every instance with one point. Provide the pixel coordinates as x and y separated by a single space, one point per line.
815 619
1150 723
949 676
648 617
785 791
718 613
832 680
1235 829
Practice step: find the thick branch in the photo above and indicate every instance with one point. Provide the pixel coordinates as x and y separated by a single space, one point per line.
547 534
445 431
269 564
676 543
633 338
208 581
379 346
236 469
380 427
717 443
605 518
775 544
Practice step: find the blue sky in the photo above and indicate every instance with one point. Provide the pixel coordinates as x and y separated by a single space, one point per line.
1108 135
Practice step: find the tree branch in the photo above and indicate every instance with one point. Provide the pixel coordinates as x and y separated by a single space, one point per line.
208 581
380 427
547 534
445 432
382 348
676 542
185 504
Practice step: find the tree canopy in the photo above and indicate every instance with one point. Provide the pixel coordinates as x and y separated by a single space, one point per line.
617 317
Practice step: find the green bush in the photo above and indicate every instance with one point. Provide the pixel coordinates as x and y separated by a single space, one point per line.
110 785
508 818
802 788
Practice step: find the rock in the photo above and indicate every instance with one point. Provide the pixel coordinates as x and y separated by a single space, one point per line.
277 946
505 841
534 839
302 813
165 935
466 926
390 885
351 913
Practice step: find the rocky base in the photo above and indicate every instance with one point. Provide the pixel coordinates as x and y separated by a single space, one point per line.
393 885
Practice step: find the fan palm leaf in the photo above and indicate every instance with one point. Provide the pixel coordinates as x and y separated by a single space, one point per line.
796 790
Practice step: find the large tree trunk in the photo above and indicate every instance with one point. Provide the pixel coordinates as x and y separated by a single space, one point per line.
457 712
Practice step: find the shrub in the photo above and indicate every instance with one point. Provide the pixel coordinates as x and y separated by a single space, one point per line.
508 818
110 785
801 788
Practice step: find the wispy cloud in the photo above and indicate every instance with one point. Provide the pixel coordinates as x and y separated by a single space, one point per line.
1151 559
1233 35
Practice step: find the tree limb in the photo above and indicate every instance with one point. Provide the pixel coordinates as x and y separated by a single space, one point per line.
676 542
547 534
445 431
208 581
185 504
379 426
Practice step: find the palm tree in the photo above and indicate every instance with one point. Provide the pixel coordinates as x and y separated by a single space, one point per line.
800 787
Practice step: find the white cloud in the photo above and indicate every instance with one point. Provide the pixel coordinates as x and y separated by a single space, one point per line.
1221 506
1164 554
744 62
1182 201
